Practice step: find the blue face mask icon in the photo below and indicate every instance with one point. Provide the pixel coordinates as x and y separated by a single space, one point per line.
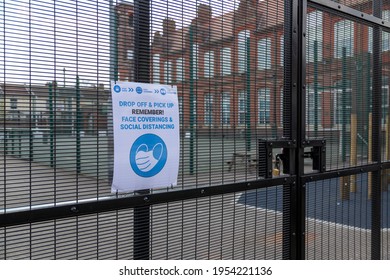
145 159
148 155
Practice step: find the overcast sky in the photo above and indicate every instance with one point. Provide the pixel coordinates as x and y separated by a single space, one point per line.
42 37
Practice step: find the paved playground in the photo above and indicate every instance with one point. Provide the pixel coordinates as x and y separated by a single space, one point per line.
233 226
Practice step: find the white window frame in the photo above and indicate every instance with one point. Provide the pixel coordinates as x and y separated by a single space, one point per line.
209 64
281 102
156 68
264 54
385 103
281 50
337 95
180 99
225 108
344 32
226 63
13 103
208 109
314 33
310 108
130 54
264 106
179 69
242 110
385 99
168 72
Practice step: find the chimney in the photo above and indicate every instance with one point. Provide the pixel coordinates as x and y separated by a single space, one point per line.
204 13
169 26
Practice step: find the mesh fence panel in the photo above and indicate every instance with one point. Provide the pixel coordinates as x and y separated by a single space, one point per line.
232 62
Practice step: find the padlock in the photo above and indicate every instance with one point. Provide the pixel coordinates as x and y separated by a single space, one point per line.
276 169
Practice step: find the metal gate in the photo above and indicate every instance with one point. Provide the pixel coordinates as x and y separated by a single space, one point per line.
284 147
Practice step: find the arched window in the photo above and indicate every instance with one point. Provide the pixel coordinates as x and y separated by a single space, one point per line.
314 36
344 37
264 54
226 68
209 64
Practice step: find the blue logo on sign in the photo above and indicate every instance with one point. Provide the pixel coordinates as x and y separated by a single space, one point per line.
163 91
148 155
117 88
138 90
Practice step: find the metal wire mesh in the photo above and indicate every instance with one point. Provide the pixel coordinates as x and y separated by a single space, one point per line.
244 225
345 105
98 236
337 227
232 62
55 96
56 133
338 96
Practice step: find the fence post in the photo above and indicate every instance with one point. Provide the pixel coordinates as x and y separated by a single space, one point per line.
51 124
113 77
376 213
192 99
294 126
287 89
248 135
78 126
357 87
344 181
142 74
344 106
315 49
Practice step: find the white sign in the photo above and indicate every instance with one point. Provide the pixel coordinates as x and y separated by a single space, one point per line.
146 136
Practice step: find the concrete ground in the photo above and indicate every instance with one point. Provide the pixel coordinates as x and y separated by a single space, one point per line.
232 226
218 227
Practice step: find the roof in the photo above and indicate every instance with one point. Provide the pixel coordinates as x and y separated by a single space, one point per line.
222 27
259 15
12 89
266 13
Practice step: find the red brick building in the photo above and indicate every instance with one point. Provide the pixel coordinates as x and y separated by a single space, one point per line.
125 31
224 68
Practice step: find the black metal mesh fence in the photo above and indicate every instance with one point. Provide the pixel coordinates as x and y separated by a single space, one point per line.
56 127
232 62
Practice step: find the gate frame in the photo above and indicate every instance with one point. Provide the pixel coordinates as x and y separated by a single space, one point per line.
377 165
